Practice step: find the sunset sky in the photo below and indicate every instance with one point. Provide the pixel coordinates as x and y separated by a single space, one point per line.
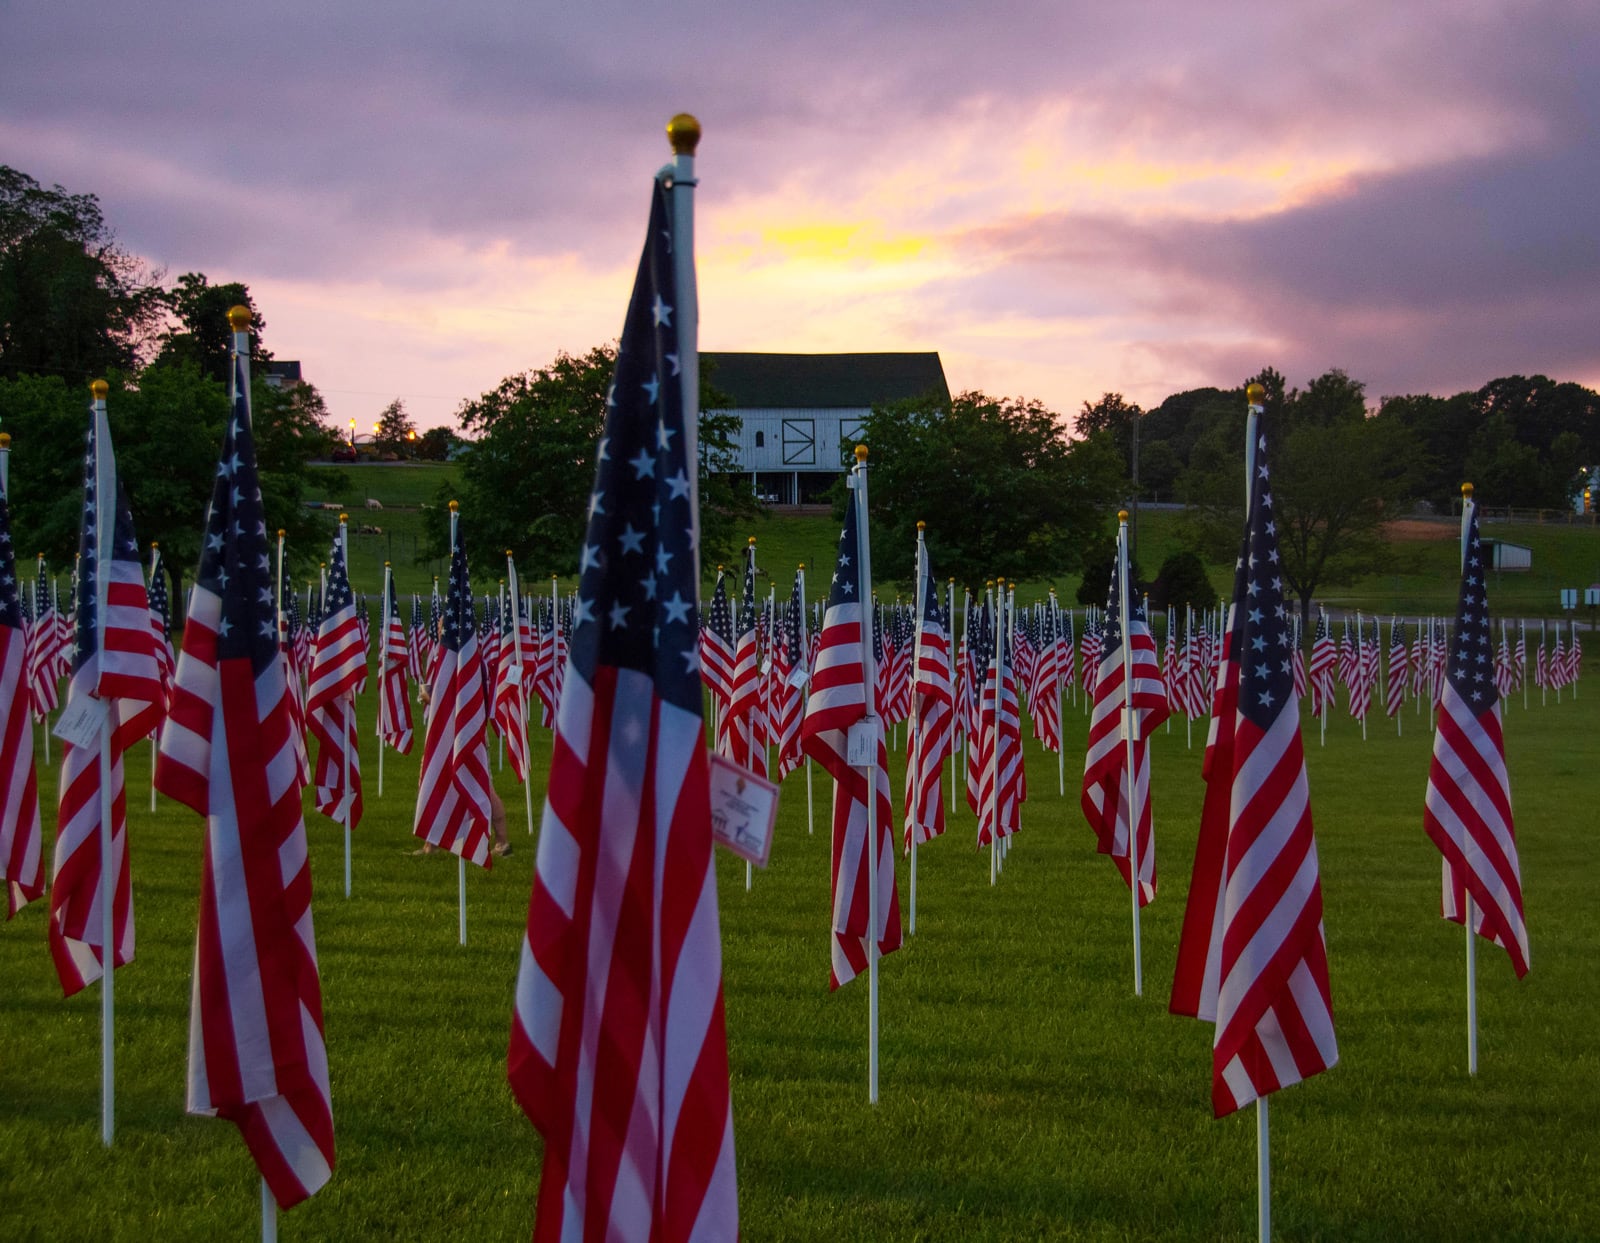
1061 198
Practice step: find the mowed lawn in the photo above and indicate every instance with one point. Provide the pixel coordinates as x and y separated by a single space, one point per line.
1026 1092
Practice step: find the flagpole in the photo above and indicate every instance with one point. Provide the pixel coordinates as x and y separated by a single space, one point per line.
1468 505
269 1214
1130 727
108 871
522 684
350 703
383 653
155 564
870 672
1255 395
955 681
997 603
914 738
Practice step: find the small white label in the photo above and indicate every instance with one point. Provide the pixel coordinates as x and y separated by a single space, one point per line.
744 809
798 676
81 721
861 743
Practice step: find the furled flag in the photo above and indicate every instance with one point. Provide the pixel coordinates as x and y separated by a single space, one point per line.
338 666
747 734
838 701
113 663
716 657
257 1055
928 740
1112 810
44 649
1468 806
1324 656
511 676
453 791
1002 781
1395 688
21 839
291 636
394 712
1044 700
618 1041
791 661
414 640
161 625
1252 958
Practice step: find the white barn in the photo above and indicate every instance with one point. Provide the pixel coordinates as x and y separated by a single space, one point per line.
796 410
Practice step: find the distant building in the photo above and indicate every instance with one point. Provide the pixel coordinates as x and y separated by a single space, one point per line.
799 412
1504 555
281 371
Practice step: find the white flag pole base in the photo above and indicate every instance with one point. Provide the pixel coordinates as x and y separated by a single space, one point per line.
912 927
108 943
749 873
153 757
1472 990
347 836
380 767
269 1215
1263 1173
461 889
811 815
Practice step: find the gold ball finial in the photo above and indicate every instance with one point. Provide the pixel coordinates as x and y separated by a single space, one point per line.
508 552
921 525
861 454
387 564
1255 394
1466 490
239 317
281 532
752 541
99 388
801 566
683 132
343 518
455 507
5 440
154 544
1122 515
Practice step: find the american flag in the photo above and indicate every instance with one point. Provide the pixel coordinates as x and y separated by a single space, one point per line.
338 666
415 641
114 662
161 624
618 1040
1044 700
45 642
21 839
453 794
716 656
1324 656
257 1055
512 673
1112 813
394 712
544 674
1253 958
791 657
1002 782
1468 805
291 641
1395 690
839 680
928 743
747 733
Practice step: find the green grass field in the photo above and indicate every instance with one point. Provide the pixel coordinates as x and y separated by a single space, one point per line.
1025 1091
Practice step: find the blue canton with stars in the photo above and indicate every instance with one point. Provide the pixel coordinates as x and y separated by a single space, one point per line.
234 562
86 638
337 595
10 601
1471 664
845 588
159 604
637 603
1265 649
460 621
1111 627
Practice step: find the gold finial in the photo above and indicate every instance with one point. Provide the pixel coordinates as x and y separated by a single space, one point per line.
99 388
1255 394
719 569
921 525
387 564
683 132
281 532
239 317
154 544
5 440
1466 490
508 552
752 541
1122 515
802 565
455 507
343 518
861 454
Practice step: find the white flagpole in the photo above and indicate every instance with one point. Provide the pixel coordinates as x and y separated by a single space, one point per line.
1061 728
346 800
873 724
106 491
1256 394
994 742
461 860
914 738
1130 725
955 682
155 568
45 720
1468 506
383 652
269 1215
804 658
1522 672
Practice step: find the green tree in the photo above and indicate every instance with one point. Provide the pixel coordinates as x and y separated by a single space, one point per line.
396 431
1003 488
73 304
201 334
1182 581
435 444
528 471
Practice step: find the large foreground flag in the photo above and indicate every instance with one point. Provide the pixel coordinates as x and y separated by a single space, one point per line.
257 1056
1468 806
838 701
21 838
1253 958
618 1042
113 663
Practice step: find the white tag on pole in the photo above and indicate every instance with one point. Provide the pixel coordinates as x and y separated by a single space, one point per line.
798 676
861 743
744 809
82 721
